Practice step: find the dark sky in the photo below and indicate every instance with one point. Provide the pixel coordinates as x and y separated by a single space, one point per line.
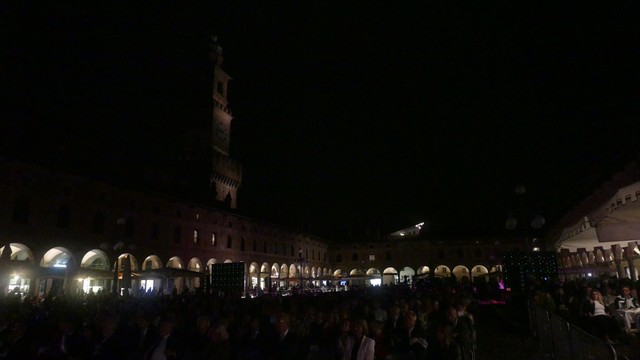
347 116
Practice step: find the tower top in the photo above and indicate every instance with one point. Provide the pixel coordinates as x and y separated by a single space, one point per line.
215 50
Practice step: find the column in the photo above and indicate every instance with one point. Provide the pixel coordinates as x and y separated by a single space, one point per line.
629 252
617 257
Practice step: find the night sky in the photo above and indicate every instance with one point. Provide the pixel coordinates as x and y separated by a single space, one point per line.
348 117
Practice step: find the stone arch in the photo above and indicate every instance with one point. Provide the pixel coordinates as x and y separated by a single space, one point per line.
264 268
253 268
389 276
461 271
306 271
275 271
95 259
338 272
356 272
599 256
152 262
313 272
56 257
479 270
284 271
19 252
228 261
325 271
211 262
195 265
584 258
423 270
406 274
175 263
374 277
293 272
442 270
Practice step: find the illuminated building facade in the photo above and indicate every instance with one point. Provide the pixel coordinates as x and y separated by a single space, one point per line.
600 235
60 231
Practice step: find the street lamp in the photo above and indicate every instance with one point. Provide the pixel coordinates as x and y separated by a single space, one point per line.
114 252
301 263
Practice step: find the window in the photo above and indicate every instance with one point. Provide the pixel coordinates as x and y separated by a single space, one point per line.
372 257
354 257
275 248
387 256
213 239
177 234
98 223
229 242
440 254
306 253
220 88
196 236
291 250
242 244
339 258
325 256
64 217
460 253
478 253
264 247
254 245
313 254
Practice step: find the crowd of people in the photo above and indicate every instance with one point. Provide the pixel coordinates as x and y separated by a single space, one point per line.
423 322
606 307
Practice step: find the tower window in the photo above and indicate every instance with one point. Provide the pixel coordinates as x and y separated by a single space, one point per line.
196 236
229 242
213 239
241 244
339 258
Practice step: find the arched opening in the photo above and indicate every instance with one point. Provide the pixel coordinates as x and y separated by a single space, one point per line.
389 276
442 271
407 274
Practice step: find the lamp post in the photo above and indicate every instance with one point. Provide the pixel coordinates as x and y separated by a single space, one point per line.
302 263
114 252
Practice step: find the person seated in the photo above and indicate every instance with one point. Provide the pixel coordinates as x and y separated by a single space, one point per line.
625 300
603 326
627 308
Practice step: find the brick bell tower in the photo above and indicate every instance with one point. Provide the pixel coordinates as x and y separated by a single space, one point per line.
226 174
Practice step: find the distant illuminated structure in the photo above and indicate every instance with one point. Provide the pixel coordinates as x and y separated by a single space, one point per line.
409 232
226 174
